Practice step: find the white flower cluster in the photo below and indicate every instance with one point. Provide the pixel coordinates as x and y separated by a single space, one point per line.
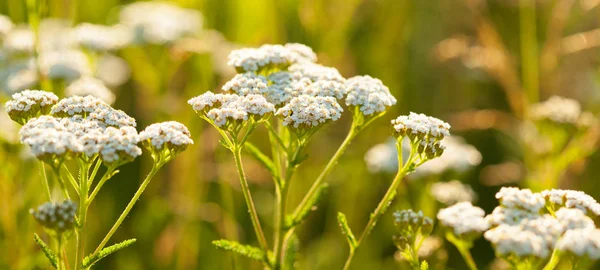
59 216
48 138
101 37
170 135
452 192
6 26
307 111
572 199
421 126
247 83
383 157
29 103
67 64
316 72
581 243
458 156
119 145
285 85
464 219
525 199
159 22
270 56
557 109
220 108
91 86
93 108
571 219
370 95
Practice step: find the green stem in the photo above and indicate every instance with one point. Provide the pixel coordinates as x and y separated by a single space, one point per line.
155 167
385 202
107 175
466 254
529 49
59 250
44 177
83 207
237 155
554 260
61 182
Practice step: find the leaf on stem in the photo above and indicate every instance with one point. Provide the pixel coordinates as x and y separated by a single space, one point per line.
47 251
245 250
92 259
343 222
310 206
261 157
225 144
424 265
291 253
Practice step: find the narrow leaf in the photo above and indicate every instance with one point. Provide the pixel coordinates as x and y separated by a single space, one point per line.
291 253
311 205
47 251
261 157
245 250
343 222
92 259
224 144
424 265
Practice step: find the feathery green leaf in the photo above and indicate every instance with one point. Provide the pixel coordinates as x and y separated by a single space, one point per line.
91 260
246 250
310 206
47 251
260 157
291 253
343 222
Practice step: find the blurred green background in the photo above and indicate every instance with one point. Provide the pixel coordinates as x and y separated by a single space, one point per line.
461 61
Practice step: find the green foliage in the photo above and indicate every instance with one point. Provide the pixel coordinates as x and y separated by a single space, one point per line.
245 250
291 253
261 157
424 265
343 222
92 259
47 251
302 214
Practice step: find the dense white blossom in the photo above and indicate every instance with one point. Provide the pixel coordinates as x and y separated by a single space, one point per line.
572 199
573 218
581 242
86 85
67 64
525 199
160 22
510 216
464 219
19 41
382 157
112 70
30 103
309 111
48 138
6 26
56 216
370 95
94 108
452 192
101 37
269 56
220 108
170 135
420 125
557 109
247 83
119 145
316 72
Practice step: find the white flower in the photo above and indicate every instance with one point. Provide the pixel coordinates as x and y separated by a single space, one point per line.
45 141
324 88
316 72
309 111
6 26
303 50
581 242
382 157
92 108
573 218
512 197
368 94
246 83
557 109
159 22
101 37
64 64
86 85
119 145
113 70
515 240
572 199
19 41
220 108
420 125
112 117
452 192
463 218
509 216
30 102
170 135
268 55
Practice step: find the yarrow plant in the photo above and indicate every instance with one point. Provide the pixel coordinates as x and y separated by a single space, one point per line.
413 228
88 132
283 88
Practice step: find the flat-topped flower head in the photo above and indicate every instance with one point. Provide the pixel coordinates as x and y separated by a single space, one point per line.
557 109
90 86
49 140
464 220
246 83
29 104
58 217
6 25
525 199
510 216
119 145
269 57
66 64
325 88
171 136
229 112
306 112
316 72
369 95
573 218
421 126
557 198
160 22
409 225
516 241
452 192
304 51
93 108
101 37
582 243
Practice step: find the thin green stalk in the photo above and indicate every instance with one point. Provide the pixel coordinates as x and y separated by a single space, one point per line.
105 177
554 260
59 250
466 254
61 182
83 207
155 167
44 177
529 49
384 203
237 155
